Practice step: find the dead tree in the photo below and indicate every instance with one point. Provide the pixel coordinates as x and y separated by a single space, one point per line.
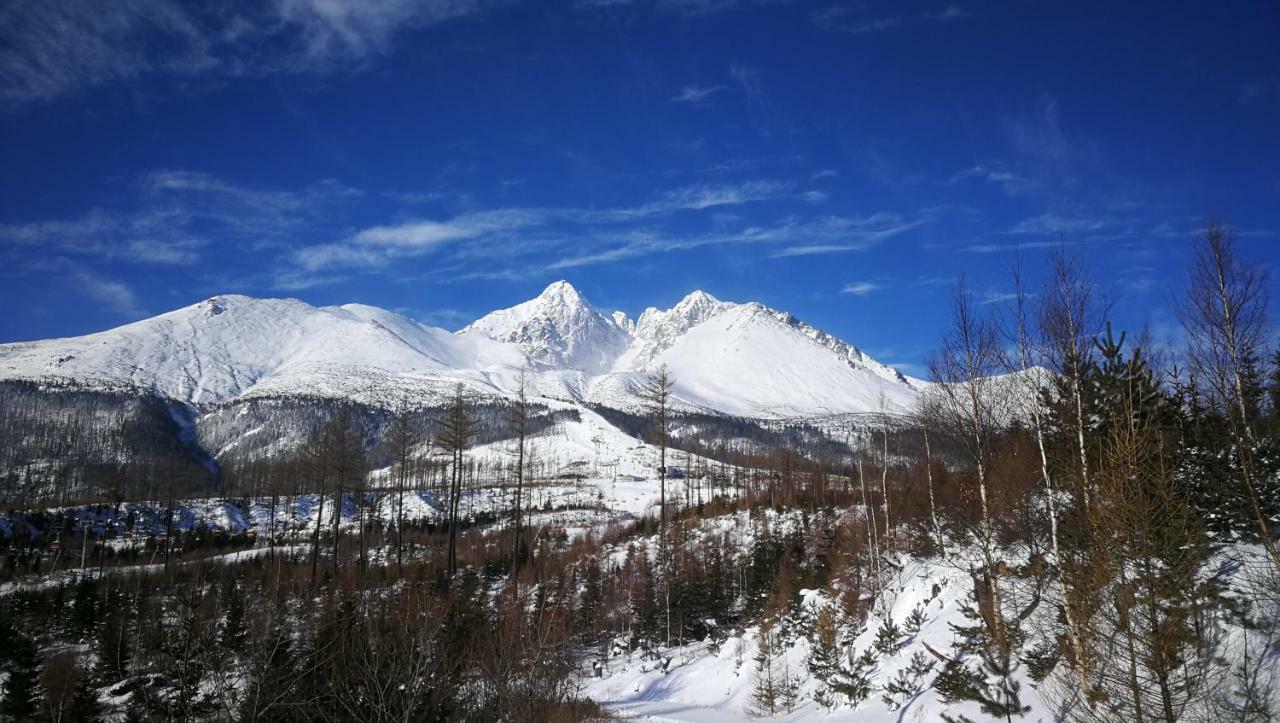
519 420
456 432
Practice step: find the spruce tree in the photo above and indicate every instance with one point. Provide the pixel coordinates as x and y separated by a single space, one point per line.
20 694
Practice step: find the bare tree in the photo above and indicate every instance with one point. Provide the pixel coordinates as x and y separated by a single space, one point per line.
969 404
457 429
1225 319
928 474
519 419
402 438
1026 369
656 394
345 450
1070 315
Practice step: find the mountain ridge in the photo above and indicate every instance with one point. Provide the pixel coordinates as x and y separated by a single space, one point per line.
755 361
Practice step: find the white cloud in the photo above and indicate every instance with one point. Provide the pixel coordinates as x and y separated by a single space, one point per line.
696 7
951 12
412 235
861 288
748 80
1013 184
706 196
51 49
842 18
181 252
116 295
341 30
838 234
697 93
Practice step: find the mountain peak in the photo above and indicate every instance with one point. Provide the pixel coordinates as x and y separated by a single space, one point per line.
697 303
698 296
559 328
658 329
563 292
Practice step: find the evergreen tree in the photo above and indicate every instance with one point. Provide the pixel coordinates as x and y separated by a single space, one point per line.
842 683
84 706
20 695
234 631
775 690
1152 547
908 682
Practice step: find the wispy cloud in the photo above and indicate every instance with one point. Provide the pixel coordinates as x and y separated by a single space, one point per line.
861 288
845 19
298 238
178 219
51 49
696 7
800 237
747 79
541 229
696 94
998 297
1254 89
114 294
845 234
996 173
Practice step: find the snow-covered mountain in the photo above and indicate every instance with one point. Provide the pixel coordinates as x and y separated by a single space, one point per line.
232 347
740 359
558 328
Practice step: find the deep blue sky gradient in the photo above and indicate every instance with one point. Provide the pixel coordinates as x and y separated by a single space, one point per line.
844 162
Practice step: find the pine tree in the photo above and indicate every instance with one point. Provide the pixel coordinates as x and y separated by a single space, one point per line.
842 683
908 682
84 707
112 641
888 637
770 691
1153 548
1273 393
234 631
984 671
20 695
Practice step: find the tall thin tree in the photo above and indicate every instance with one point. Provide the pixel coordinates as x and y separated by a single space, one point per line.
402 439
519 420
456 432
1225 318
656 394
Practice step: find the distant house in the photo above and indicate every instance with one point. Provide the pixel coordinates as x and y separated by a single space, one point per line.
675 473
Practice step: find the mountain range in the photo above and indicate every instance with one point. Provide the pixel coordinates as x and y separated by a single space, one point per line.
741 359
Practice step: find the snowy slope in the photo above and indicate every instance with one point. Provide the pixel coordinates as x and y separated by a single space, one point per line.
658 330
807 373
230 347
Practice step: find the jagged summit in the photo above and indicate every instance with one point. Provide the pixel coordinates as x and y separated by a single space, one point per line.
558 328
563 292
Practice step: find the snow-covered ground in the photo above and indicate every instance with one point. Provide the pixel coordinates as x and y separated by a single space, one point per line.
714 681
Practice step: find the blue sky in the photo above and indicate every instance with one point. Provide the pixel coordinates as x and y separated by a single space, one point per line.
443 158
